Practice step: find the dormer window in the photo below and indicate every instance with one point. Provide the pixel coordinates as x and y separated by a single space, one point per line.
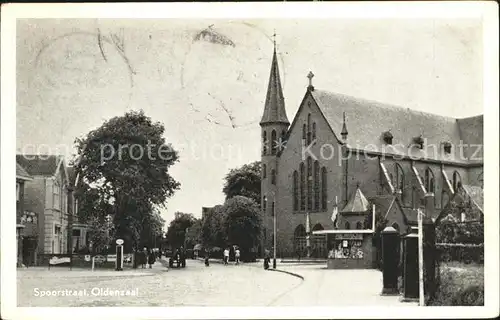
447 147
387 136
418 142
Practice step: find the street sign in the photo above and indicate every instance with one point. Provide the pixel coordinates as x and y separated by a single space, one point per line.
119 241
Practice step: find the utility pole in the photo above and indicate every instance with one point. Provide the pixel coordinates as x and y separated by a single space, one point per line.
70 223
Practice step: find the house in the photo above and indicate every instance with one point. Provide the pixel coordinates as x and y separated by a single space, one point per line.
346 152
21 178
46 198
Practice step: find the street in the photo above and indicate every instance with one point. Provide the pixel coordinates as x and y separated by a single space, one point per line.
197 285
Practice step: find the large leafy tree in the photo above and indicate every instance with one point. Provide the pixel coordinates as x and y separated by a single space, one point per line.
123 166
242 222
193 236
176 233
244 181
213 233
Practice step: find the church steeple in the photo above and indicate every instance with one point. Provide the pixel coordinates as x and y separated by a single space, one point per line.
274 108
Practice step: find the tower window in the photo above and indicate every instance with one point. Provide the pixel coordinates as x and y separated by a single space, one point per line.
264 171
264 143
273 176
274 142
314 131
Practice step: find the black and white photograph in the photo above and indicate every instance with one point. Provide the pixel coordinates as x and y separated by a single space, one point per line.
289 156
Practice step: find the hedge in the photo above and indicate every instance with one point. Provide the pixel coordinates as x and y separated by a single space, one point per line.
466 253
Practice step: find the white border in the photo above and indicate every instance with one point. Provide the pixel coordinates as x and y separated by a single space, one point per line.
400 10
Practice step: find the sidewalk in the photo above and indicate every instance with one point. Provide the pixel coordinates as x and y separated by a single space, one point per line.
66 272
328 287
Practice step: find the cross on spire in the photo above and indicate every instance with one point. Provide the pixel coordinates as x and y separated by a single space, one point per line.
310 75
274 39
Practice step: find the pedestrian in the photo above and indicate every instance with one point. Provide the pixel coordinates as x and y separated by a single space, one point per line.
226 256
207 256
151 259
266 259
144 257
237 255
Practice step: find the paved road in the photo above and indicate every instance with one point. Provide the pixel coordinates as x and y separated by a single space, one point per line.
196 285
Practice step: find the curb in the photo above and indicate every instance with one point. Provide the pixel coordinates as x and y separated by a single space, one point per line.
288 272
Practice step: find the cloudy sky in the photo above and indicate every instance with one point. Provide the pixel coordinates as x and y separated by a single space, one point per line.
210 94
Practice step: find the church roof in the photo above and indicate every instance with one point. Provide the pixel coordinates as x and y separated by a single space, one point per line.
382 203
274 108
368 120
357 203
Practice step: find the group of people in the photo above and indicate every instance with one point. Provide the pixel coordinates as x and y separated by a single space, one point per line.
236 255
146 257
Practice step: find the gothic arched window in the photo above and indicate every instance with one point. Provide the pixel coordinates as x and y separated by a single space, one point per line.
316 185
359 225
314 131
429 180
264 171
302 187
308 129
273 176
309 183
264 143
324 194
272 208
295 190
400 180
457 181
304 132
274 143
347 225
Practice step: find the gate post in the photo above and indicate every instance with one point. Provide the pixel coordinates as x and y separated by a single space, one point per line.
430 256
390 261
410 268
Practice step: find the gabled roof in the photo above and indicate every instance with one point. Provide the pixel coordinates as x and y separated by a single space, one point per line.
357 203
274 108
367 121
382 203
21 173
39 165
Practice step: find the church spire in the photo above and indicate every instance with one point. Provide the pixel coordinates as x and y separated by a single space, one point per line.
344 129
274 108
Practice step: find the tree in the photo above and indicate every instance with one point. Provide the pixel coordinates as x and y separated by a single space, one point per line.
244 181
193 235
242 222
101 234
123 166
213 233
176 233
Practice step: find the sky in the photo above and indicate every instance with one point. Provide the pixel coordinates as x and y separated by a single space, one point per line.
209 93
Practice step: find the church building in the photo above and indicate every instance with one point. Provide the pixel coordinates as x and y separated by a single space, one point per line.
343 159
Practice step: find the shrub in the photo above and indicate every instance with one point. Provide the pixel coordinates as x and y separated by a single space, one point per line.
460 252
473 295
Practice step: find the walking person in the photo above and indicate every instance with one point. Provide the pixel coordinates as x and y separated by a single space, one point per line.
207 256
226 256
266 259
151 259
144 257
237 255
